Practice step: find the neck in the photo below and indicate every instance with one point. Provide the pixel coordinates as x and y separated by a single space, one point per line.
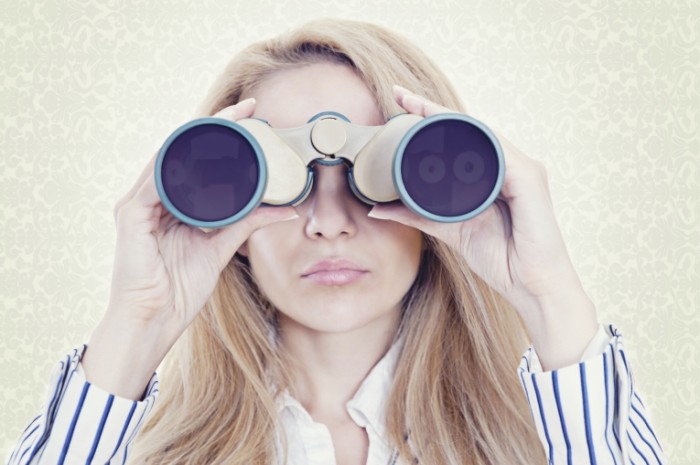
328 368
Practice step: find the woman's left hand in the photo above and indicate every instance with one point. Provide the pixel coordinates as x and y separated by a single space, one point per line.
517 248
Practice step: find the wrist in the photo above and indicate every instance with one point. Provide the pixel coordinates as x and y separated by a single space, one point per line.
560 327
122 355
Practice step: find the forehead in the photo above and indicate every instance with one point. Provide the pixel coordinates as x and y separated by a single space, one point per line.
290 97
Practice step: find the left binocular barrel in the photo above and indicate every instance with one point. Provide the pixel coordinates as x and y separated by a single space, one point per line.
210 172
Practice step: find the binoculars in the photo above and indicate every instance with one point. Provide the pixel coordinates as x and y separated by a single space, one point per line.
447 167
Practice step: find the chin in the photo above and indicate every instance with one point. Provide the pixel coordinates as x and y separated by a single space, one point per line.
337 318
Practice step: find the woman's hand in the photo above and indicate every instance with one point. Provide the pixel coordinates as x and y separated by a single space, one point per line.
164 272
517 248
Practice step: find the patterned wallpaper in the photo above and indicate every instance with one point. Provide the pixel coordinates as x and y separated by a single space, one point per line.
606 93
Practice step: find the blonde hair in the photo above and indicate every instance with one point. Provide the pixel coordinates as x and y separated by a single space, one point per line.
455 395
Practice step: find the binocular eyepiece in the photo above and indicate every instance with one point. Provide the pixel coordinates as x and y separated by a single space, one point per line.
447 167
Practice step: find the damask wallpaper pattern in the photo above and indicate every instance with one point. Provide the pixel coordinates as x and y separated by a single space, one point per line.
605 93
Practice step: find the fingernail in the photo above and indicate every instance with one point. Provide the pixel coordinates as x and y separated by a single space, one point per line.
402 89
410 98
293 217
228 112
374 214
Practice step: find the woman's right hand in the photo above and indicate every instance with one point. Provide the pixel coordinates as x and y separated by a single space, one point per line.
164 272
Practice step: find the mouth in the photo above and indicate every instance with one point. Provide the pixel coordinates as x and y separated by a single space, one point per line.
334 272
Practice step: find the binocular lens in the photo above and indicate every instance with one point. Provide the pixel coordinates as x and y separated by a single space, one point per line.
210 172
450 168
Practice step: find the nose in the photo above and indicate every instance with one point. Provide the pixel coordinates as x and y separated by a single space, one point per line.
331 211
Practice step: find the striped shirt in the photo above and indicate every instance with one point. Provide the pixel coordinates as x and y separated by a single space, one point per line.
588 413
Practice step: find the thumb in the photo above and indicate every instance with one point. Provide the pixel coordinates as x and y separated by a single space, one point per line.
449 233
398 212
226 241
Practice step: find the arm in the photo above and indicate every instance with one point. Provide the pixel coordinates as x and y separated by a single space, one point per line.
164 272
81 423
517 248
591 412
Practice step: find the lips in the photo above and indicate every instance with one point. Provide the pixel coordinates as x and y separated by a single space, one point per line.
334 272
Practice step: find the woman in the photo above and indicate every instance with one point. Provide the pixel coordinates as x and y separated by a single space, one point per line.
336 332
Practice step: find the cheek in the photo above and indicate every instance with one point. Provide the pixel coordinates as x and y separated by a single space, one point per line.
267 256
404 246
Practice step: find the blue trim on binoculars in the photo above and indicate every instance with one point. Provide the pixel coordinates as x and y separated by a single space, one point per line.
328 113
329 161
307 188
395 115
355 190
252 203
398 157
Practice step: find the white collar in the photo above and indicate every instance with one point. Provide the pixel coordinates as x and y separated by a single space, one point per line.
367 407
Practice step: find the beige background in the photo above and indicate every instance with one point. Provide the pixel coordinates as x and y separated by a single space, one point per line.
606 93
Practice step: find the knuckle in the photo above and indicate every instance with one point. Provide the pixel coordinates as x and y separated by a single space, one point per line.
538 169
544 174
121 213
117 209
250 223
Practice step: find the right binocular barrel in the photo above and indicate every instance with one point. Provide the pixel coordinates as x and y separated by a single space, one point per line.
448 167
